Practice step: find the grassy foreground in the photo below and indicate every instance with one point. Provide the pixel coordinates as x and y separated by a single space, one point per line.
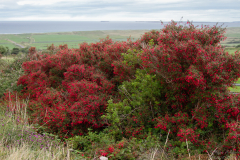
19 140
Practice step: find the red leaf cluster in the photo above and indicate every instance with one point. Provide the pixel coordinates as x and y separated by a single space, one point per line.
69 90
196 72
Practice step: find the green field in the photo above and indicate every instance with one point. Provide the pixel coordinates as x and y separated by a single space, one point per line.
3 41
42 41
9 45
233 37
231 50
6 43
73 39
19 38
235 89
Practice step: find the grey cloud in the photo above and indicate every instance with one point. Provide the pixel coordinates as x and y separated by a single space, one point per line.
96 8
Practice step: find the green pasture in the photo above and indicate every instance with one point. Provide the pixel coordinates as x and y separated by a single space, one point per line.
73 39
43 41
70 44
3 41
238 81
18 38
6 43
9 45
59 38
232 50
233 37
114 34
234 89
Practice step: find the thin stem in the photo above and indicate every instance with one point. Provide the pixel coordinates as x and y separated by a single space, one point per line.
165 143
188 150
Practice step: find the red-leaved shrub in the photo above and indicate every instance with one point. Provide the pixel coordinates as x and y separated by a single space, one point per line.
182 90
69 89
196 73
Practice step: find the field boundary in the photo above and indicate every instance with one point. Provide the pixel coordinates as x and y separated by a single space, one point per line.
15 43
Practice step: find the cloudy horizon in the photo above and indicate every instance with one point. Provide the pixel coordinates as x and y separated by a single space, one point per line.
120 10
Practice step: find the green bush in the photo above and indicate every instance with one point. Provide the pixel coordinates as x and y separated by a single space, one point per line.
24 50
3 50
15 51
95 145
133 116
10 74
238 46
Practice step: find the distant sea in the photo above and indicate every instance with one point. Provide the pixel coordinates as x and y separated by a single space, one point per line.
20 27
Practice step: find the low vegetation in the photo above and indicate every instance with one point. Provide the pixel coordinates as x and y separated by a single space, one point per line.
19 139
163 96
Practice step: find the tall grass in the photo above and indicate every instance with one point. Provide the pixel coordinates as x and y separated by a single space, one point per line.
19 140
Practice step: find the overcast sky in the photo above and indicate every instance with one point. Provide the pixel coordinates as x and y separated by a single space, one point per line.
120 10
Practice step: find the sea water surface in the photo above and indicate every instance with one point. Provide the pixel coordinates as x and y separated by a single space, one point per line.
20 27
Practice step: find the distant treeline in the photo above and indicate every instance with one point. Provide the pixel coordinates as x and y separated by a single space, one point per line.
6 50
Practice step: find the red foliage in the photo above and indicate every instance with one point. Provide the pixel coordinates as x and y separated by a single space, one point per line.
69 90
196 72
106 55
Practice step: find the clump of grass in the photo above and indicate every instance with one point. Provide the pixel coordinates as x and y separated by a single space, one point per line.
18 139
